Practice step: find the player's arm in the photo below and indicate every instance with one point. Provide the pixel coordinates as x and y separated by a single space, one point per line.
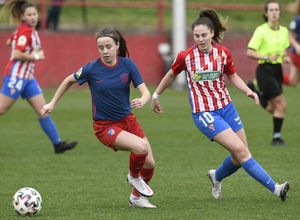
164 83
8 42
64 86
145 97
236 81
20 55
294 42
251 53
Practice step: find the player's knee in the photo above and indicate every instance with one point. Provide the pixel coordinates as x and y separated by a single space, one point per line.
3 111
143 147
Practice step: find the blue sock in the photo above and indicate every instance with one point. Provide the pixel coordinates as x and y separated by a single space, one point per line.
49 128
258 173
226 169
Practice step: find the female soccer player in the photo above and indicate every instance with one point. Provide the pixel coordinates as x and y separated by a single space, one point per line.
294 37
268 45
109 79
206 64
19 72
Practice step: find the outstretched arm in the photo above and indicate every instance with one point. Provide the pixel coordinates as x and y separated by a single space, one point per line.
140 102
64 86
164 83
235 80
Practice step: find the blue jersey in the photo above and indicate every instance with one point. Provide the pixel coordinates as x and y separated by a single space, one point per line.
295 28
110 87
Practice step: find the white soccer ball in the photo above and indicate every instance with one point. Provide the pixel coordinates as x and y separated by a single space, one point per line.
27 202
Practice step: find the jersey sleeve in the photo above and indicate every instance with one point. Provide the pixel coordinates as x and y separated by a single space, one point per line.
179 64
256 39
82 75
229 67
22 40
135 74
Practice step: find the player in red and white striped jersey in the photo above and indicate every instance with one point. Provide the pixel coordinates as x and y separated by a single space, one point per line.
205 65
19 72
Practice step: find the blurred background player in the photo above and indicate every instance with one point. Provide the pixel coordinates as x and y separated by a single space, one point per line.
268 45
109 79
205 65
19 72
54 14
294 36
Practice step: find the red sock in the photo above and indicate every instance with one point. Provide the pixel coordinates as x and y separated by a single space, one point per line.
286 79
147 176
136 163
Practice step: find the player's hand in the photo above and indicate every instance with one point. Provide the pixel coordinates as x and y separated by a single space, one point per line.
47 109
273 57
254 96
41 55
137 103
156 106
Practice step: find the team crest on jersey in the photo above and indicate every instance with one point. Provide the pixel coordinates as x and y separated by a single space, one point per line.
12 91
111 132
211 126
22 41
78 73
124 77
206 75
219 59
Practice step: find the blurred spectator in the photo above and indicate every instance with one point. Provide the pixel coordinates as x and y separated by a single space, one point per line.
53 14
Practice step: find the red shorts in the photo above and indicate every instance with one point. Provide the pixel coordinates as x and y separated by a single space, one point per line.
107 131
295 60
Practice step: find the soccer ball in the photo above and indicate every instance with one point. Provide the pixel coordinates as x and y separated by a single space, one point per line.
27 202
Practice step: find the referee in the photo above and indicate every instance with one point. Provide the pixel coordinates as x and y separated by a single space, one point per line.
268 45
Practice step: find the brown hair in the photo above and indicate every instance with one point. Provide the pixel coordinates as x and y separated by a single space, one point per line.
117 37
266 8
18 7
210 18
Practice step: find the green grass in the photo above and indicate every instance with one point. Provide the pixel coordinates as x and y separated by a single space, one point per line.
89 182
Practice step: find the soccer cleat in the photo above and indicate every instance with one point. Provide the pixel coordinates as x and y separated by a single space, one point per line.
278 142
63 146
216 185
140 202
140 186
281 190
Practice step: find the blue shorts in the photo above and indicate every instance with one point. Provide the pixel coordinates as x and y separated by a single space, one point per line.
214 122
14 87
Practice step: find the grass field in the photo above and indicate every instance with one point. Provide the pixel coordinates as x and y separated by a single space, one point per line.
89 182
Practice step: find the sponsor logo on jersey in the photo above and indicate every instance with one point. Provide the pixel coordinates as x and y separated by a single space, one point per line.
206 75
22 41
124 77
111 132
78 73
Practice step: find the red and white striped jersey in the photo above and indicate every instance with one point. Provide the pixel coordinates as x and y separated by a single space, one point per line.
27 40
205 76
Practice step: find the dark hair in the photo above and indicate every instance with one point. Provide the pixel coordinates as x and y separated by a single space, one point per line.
210 18
18 8
266 8
117 37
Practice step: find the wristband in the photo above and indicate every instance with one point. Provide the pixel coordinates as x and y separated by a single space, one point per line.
36 56
155 95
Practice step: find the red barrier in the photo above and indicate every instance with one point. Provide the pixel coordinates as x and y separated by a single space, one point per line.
66 53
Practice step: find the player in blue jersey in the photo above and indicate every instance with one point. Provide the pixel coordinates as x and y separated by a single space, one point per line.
19 77
109 79
294 36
